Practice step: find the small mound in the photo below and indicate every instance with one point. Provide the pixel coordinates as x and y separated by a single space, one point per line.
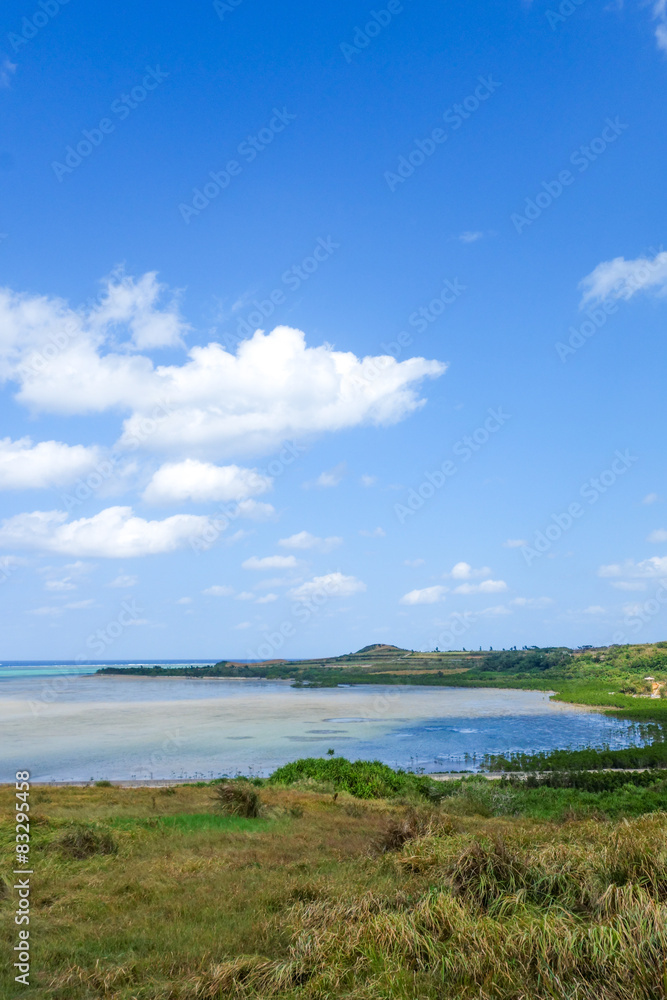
381 647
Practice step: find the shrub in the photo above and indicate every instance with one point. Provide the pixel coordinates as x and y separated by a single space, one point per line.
84 842
103 784
365 779
238 799
415 823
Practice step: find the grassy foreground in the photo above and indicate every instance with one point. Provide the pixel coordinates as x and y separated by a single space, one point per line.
476 889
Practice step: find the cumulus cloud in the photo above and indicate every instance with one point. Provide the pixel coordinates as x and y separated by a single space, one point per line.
218 591
485 587
331 585
531 602
375 533
414 562
124 580
464 571
304 540
216 403
621 279
429 595
202 482
659 535
651 498
332 477
270 562
114 533
267 599
24 466
134 306
648 568
59 586
515 543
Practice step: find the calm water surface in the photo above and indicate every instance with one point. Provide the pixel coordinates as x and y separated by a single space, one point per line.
64 723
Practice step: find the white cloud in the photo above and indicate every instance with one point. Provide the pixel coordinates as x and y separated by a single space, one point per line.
242 625
270 562
660 14
464 571
368 480
133 305
218 591
24 466
594 609
331 585
184 600
332 477
612 569
648 568
7 70
375 533
114 533
429 595
621 279
202 482
216 404
659 535
58 586
245 595
485 587
414 562
55 612
651 498
267 599
470 236
531 602
628 584
255 510
304 540
515 543
124 580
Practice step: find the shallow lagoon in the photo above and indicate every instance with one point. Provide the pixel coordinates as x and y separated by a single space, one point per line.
78 726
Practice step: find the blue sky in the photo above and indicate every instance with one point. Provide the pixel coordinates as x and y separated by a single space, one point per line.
321 327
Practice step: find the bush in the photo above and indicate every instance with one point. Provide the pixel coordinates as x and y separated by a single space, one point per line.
84 842
400 830
238 799
103 784
365 779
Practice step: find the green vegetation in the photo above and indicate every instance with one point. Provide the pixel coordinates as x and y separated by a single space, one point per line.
552 887
362 778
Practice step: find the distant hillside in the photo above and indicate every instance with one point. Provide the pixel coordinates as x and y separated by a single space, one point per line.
381 649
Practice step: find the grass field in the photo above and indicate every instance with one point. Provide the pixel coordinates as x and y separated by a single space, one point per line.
491 890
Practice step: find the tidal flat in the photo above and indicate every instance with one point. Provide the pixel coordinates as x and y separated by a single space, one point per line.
90 727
